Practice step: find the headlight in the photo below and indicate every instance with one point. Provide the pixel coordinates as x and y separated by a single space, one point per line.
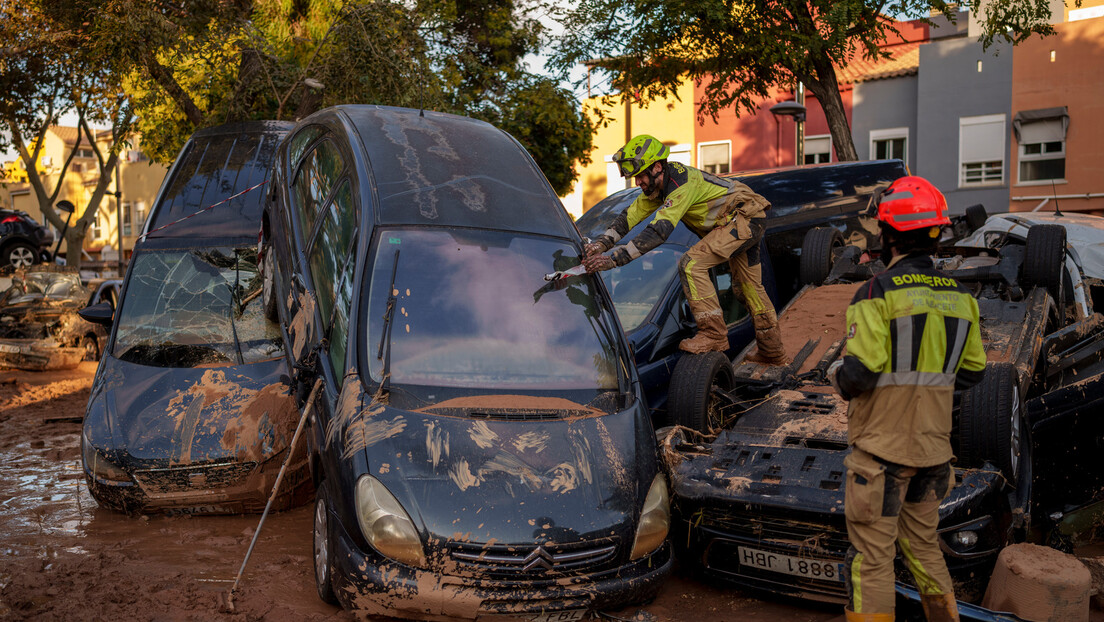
385 523
964 540
655 520
100 467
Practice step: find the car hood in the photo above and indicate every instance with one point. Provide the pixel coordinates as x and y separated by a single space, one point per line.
166 416
577 478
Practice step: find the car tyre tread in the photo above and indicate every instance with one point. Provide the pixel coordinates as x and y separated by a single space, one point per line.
816 254
985 424
691 387
323 583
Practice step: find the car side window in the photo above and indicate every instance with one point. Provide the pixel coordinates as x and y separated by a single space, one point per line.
317 176
331 268
734 310
300 142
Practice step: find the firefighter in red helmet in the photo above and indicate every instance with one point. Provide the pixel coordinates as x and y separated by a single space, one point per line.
913 338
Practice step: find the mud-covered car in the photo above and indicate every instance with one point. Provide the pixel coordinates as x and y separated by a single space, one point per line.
758 487
480 443
647 293
23 242
191 408
42 304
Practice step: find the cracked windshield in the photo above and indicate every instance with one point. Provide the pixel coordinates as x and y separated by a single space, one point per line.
472 309
189 308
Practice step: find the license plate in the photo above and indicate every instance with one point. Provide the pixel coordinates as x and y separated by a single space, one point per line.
9 349
788 564
566 615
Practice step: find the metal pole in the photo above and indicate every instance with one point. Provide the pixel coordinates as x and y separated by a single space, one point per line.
119 215
800 98
275 488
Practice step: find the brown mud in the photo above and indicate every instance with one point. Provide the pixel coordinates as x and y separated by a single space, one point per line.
64 558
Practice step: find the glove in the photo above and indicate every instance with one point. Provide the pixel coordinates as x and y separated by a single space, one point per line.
598 263
593 248
833 373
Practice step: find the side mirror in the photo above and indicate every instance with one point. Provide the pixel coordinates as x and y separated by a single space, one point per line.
99 313
686 316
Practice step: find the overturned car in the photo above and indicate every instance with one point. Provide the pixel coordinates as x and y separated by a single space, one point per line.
757 470
191 408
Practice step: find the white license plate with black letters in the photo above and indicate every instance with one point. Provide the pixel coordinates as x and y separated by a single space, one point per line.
822 569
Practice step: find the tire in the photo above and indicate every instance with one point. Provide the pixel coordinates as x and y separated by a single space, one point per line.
689 401
1044 260
976 217
20 255
268 284
91 348
991 422
323 547
817 254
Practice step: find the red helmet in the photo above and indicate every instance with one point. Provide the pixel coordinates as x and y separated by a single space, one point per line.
912 203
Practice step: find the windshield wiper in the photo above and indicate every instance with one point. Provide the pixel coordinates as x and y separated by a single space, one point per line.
385 339
235 298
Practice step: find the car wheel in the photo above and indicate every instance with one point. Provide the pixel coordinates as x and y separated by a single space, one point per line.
976 217
268 284
1044 261
991 422
818 254
323 551
690 401
20 255
91 348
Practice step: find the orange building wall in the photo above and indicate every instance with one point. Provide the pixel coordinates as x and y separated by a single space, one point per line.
1073 80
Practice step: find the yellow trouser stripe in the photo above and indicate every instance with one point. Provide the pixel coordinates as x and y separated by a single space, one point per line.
752 297
690 279
856 589
927 584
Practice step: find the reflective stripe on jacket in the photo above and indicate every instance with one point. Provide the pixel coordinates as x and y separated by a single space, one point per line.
913 337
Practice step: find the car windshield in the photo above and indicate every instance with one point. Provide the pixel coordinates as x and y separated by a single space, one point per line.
195 307
636 286
473 311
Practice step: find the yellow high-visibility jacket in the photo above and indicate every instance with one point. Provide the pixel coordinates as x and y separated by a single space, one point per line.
913 337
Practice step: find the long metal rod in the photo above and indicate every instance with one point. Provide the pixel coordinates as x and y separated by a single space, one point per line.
275 487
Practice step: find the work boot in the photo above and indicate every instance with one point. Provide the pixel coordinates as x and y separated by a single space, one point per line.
939 607
712 334
769 349
867 617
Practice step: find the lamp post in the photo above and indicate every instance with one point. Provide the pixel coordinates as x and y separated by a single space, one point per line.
794 109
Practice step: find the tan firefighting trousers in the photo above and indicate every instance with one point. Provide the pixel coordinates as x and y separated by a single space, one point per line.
888 504
737 243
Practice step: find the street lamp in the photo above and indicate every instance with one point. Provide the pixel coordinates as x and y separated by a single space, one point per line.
797 111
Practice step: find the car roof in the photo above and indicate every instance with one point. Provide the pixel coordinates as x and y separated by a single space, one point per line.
432 168
215 164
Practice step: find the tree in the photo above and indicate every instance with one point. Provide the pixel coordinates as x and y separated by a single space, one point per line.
741 50
44 73
200 63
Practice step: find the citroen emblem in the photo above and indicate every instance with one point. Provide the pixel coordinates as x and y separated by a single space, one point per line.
539 558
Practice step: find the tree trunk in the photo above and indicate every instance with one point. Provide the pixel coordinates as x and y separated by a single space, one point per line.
163 76
74 245
826 89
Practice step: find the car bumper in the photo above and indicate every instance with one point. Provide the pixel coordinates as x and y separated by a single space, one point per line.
216 489
371 585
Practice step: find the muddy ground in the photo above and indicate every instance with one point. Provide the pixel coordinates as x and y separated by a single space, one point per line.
64 558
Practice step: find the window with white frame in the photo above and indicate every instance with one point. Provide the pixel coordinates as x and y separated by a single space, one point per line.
85 153
981 150
140 215
889 144
818 149
715 157
1041 135
98 226
127 218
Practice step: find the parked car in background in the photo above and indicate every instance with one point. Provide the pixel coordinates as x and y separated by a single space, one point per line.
191 408
479 441
815 211
42 305
23 242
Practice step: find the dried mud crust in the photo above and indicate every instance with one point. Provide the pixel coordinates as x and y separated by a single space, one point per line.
64 558
819 313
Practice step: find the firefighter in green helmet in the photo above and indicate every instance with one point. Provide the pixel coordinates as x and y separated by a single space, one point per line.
725 213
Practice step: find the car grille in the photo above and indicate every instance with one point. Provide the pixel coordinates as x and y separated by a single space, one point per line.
182 479
534 561
722 533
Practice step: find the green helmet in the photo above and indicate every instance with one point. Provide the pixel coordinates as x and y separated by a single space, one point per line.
640 153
